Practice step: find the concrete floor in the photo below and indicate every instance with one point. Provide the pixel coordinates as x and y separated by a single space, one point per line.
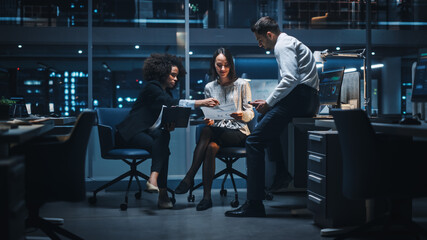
143 220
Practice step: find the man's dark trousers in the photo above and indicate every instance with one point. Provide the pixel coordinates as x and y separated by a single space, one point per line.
303 101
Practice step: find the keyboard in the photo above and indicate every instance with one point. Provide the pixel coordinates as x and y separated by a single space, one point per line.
385 119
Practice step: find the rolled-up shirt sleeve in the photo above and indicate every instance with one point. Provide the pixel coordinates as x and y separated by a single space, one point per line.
187 103
288 65
248 112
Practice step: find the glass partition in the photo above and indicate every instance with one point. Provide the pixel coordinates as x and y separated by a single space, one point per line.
296 14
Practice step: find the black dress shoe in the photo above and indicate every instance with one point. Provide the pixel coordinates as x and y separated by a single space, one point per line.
248 209
204 204
183 187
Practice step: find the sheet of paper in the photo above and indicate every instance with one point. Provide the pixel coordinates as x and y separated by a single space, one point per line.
219 112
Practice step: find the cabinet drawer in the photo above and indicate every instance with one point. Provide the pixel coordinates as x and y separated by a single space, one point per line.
316 204
316 184
316 163
316 143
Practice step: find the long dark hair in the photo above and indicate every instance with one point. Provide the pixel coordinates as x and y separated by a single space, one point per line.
159 66
212 72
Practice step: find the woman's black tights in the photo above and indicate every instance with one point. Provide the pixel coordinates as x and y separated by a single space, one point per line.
205 152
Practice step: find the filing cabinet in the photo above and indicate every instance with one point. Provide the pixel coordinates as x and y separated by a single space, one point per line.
12 198
324 183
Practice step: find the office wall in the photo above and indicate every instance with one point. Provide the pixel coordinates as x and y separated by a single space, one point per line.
99 169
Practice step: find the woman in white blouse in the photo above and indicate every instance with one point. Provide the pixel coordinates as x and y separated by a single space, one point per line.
226 88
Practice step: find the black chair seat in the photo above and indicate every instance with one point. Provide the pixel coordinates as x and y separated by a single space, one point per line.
238 152
127 153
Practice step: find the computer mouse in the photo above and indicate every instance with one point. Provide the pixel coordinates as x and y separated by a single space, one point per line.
409 121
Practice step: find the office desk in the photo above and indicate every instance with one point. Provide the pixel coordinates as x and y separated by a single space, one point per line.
12 180
22 134
388 128
327 202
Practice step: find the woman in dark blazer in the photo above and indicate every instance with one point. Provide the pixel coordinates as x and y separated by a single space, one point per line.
142 129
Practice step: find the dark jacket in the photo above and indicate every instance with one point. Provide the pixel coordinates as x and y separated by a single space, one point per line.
145 110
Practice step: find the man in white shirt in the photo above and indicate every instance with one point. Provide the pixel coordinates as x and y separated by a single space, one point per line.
296 95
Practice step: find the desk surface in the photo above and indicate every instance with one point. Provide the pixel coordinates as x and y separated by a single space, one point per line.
24 133
389 128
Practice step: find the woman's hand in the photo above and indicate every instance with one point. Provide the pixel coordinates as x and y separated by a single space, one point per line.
170 126
208 102
237 115
208 122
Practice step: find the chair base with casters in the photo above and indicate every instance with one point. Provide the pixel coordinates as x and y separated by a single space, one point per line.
132 173
228 155
51 229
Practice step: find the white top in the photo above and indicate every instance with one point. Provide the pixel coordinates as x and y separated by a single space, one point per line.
296 66
239 93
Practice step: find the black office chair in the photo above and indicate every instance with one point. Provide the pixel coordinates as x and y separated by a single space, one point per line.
108 118
228 155
377 168
55 171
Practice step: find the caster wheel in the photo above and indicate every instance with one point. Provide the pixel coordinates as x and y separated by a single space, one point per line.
269 196
92 200
234 203
223 192
191 198
138 195
123 206
173 200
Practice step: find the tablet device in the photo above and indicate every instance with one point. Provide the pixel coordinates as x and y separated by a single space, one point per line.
178 115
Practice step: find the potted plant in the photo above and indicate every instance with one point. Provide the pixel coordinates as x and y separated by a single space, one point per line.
5 107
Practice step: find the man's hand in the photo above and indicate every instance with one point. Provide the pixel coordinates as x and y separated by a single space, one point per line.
208 122
237 115
261 106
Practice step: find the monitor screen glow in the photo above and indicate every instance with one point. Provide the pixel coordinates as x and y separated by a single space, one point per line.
330 87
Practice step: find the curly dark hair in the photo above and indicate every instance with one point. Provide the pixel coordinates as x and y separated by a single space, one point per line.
212 72
158 67
264 25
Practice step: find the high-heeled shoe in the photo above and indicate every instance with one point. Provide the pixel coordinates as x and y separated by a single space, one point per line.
151 188
183 187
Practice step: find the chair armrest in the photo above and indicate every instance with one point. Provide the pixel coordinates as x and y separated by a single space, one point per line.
106 138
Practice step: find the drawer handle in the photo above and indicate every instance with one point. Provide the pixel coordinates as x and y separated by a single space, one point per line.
314 178
314 199
315 138
315 158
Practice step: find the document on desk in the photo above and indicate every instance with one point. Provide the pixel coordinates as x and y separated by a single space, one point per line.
219 112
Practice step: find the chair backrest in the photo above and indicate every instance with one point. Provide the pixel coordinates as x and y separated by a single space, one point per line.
75 154
108 118
362 167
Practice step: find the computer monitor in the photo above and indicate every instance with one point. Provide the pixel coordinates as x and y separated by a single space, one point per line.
330 87
419 87
19 109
